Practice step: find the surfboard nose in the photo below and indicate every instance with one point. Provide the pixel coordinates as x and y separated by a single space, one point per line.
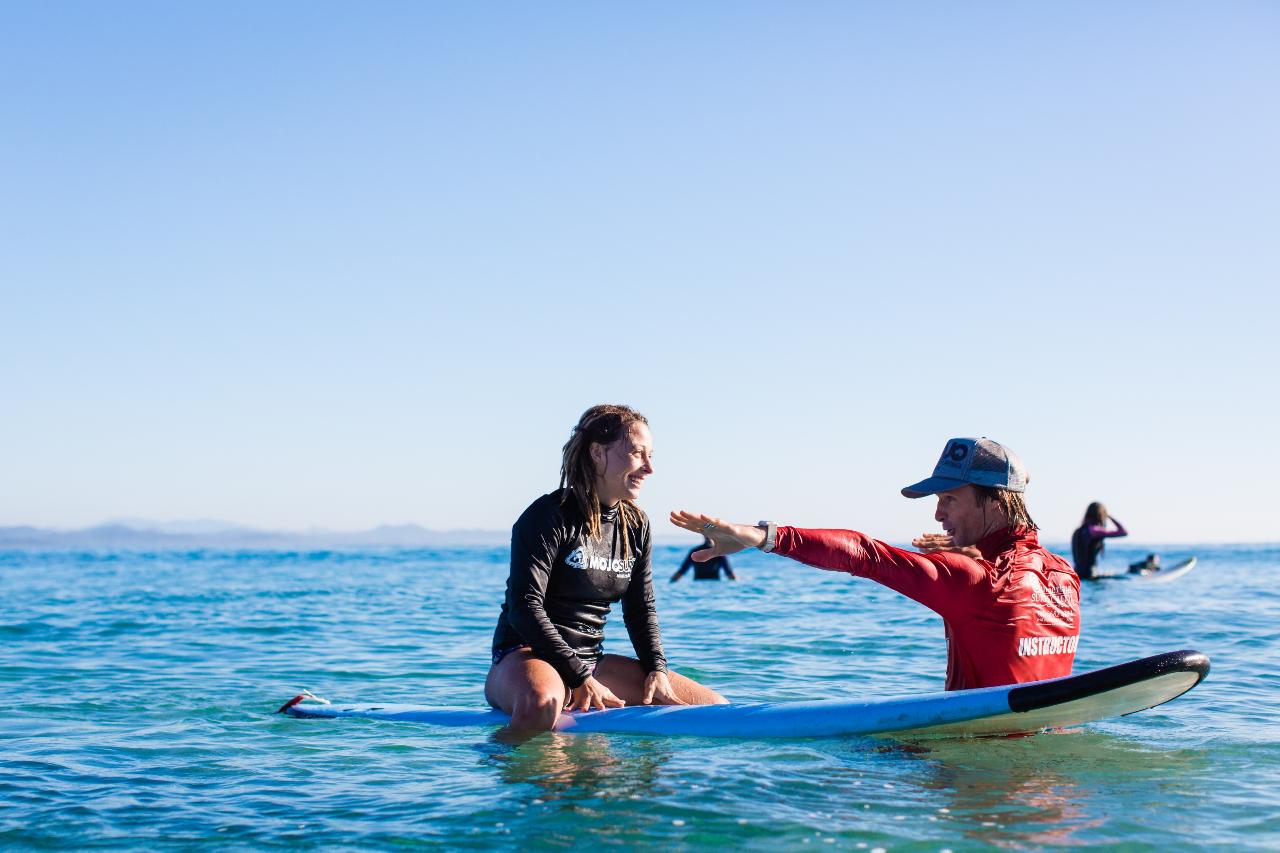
1029 697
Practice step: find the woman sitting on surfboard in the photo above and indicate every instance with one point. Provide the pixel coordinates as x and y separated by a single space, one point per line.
574 552
1012 614
1088 540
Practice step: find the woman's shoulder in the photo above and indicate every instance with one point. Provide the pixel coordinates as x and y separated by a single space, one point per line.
551 502
550 510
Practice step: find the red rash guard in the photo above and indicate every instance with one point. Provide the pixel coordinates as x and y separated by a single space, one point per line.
1011 617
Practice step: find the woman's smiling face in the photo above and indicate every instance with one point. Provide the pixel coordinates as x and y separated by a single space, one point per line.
621 467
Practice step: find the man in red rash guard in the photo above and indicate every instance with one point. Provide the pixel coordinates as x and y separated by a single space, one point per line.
1011 615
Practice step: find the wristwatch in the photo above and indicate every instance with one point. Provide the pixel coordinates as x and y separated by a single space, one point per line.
770 529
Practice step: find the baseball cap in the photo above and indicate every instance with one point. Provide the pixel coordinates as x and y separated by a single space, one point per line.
976 461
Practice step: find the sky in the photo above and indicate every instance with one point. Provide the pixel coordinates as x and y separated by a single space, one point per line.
336 265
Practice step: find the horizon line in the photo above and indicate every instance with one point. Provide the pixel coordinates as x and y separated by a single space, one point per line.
231 529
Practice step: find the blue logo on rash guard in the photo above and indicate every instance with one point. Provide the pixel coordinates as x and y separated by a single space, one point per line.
580 558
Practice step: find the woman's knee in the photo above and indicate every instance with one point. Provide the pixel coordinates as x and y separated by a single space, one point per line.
537 709
695 693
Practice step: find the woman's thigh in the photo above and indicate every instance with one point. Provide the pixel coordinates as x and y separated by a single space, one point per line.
521 676
625 678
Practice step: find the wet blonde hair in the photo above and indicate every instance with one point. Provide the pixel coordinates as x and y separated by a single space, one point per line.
1011 504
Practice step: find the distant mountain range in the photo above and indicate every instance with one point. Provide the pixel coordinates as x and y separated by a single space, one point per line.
142 534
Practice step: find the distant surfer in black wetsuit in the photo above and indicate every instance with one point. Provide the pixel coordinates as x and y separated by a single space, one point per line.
1147 566
574 552
708 571
1088 540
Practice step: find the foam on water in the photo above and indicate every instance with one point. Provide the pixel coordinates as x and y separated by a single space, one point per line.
139 691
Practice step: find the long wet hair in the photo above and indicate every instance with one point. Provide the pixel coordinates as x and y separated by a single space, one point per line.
1012 504
1085 550
1096 513
603 424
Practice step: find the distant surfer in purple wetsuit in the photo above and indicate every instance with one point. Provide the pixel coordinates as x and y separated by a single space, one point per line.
1088 540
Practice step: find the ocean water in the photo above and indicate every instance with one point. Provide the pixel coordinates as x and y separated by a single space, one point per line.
139 691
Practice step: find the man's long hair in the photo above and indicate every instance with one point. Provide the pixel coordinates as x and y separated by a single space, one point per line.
1011 503
603 424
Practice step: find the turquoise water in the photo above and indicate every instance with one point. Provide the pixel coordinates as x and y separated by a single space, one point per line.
139 690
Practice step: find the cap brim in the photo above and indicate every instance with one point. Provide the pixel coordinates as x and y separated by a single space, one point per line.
931 486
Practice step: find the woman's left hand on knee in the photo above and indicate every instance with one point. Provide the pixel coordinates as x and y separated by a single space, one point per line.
658 690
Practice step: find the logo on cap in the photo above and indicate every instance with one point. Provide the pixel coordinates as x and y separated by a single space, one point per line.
955 458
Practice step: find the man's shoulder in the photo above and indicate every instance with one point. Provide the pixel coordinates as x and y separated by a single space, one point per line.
1033 556
977 568
1032 546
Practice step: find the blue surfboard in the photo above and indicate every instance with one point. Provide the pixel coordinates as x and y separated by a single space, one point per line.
1014 709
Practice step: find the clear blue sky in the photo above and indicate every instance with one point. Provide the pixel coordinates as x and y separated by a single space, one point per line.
298 264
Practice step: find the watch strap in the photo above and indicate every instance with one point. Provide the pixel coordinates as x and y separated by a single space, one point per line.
770 529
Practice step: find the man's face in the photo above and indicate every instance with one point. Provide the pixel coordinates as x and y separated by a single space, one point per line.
964 516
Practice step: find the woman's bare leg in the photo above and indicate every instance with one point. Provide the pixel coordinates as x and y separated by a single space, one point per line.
625 677
528 689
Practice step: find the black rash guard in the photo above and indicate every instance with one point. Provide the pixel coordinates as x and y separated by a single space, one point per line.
563 581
